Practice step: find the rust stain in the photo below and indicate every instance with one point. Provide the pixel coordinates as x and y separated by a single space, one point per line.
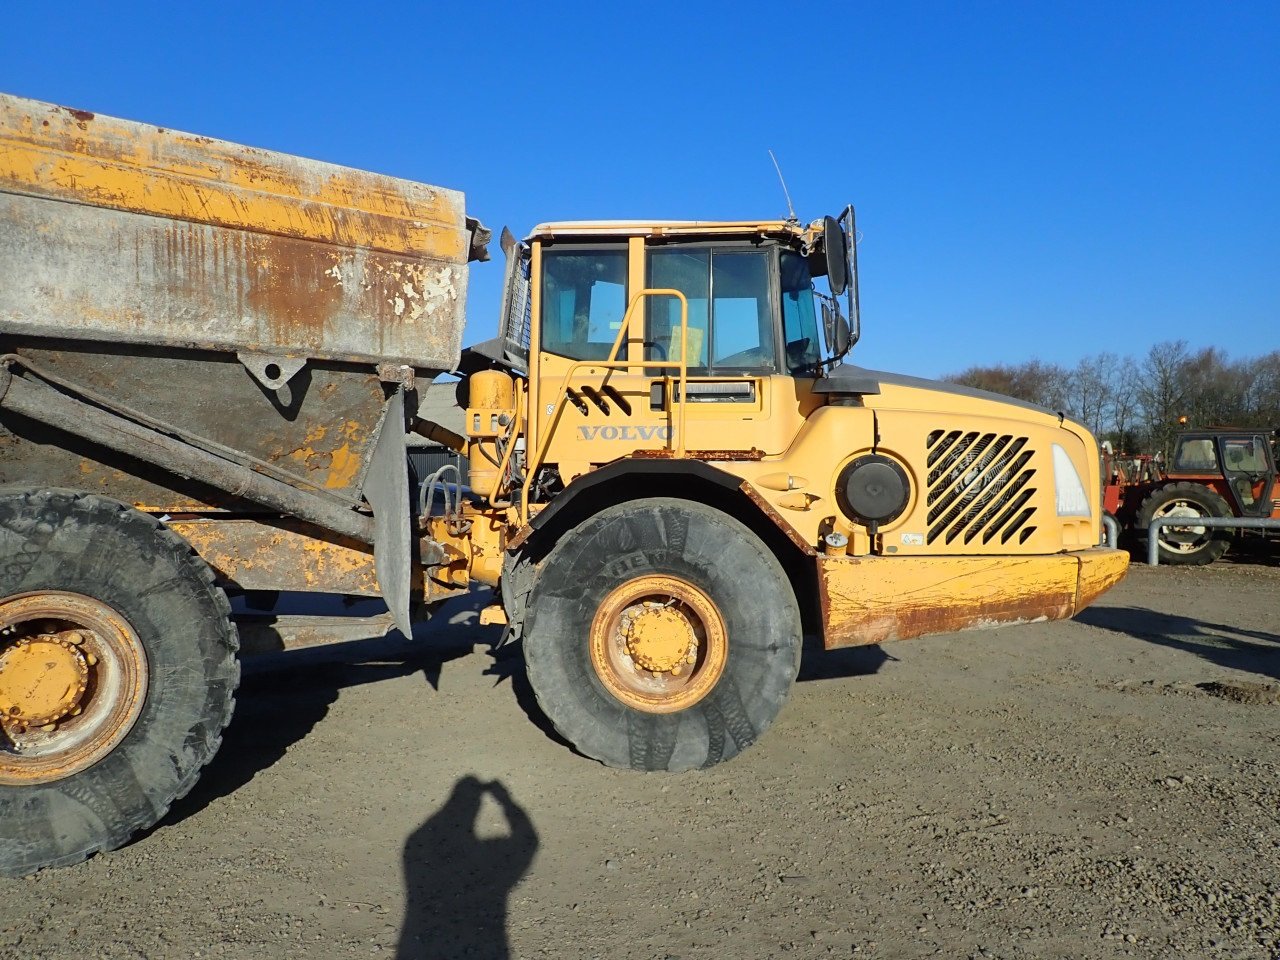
520 536
1100 570
877 599
778 520
667 454
236 249
147 169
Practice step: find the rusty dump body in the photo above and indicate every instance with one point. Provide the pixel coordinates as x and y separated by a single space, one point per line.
258 309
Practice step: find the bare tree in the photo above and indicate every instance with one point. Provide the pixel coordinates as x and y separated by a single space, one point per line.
1140 406
1162 391
1263 400
1034 381
1126 412
1090 391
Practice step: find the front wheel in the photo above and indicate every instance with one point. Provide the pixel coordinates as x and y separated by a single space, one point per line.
1187 543
661 635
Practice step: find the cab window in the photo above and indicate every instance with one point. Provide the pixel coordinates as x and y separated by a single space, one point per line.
799 319
1196 455
584 298
730 311
1245 455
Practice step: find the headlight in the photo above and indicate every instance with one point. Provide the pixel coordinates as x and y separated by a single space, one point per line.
1067 488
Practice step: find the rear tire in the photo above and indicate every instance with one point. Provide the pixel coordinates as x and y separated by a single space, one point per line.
64 795
1187 545
621 600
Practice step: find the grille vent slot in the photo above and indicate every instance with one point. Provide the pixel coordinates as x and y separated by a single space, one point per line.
979 485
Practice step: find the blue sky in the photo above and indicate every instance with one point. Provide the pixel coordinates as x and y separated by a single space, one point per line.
1032 179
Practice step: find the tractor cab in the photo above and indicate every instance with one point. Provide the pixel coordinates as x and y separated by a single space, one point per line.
1238 464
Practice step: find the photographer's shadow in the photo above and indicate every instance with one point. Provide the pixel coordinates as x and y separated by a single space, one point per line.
457 883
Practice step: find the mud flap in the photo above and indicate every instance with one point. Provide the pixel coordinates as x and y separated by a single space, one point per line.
386 488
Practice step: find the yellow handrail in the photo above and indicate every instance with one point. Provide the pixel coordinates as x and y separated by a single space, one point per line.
624 334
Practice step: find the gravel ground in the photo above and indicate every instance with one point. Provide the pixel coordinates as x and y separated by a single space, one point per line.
1107 787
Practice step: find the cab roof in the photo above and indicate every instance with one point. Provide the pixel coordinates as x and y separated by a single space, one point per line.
674 228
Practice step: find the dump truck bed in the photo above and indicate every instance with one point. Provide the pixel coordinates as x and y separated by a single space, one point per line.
123 232
248 302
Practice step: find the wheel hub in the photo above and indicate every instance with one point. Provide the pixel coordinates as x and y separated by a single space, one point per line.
73 679
1182 536
42 679
660 640
658 643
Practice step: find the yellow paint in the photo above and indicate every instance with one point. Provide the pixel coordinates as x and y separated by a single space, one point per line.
493 614
952 559
659 638
785 229
279 556
41 680
343 470
1100 570
104 161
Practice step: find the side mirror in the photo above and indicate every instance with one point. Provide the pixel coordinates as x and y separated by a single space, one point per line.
833 243
836 329
840 341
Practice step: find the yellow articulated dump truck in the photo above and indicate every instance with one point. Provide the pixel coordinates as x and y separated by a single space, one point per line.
212 360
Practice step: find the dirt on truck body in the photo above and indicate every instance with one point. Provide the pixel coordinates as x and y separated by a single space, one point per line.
211 359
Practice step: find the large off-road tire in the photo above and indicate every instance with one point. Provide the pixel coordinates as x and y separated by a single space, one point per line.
1189 545
623 604
118 673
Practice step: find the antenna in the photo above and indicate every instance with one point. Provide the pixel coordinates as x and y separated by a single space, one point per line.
791 211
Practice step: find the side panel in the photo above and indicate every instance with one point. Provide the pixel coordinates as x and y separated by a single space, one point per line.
281 555
123 232
319 427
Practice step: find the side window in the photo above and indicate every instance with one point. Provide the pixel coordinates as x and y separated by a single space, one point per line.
1245 455
799 319
688 271
1196 455
741 315
730 313
584 298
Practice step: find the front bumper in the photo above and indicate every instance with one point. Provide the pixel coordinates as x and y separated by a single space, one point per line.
866 600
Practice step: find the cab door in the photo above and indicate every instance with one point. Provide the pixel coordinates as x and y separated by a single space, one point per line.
1246 463
732 343
739 401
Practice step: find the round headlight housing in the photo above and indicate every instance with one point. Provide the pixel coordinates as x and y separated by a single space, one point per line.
873 490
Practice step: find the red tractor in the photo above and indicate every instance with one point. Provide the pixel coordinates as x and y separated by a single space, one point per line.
1213 473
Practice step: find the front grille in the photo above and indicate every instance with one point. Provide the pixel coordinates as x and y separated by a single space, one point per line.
979 486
